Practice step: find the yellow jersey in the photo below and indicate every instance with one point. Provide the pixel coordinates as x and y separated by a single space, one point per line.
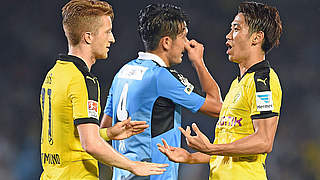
70 96
257 95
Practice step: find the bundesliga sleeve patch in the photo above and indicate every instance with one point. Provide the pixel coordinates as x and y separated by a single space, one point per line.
264 101
93 109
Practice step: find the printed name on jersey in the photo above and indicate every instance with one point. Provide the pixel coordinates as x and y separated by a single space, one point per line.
93 109
264 101
132 72
189 87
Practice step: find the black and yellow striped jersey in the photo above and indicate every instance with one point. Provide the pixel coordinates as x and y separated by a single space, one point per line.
257 95
70 95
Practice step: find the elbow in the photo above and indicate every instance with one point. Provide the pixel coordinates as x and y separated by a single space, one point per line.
89 148
267 147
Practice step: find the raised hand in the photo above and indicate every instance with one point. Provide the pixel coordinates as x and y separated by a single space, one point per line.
195 51
147 169
200 142
174 154
126 129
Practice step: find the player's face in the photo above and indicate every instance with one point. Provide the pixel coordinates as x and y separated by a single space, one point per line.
103 39
238 40
177 49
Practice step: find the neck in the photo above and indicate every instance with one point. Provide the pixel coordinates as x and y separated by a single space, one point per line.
249 62
83 53
162 55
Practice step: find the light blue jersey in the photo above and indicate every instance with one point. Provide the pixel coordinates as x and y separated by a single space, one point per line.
146 91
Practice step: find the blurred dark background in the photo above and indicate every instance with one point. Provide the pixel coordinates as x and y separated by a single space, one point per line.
32 36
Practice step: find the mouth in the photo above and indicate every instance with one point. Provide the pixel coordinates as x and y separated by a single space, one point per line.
229 47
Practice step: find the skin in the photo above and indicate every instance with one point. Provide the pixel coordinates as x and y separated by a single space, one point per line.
95 45
245 49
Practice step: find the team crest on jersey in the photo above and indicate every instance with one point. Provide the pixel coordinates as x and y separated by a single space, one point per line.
236 97
93 109
264 101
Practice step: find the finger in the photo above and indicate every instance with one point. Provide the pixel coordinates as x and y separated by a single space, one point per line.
165 144
134 123
161 148
188 130
140 127
158 165
187 46
196 129
186 134
193 43
137 132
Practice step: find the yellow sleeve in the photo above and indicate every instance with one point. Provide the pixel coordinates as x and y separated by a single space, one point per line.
264 95
84 94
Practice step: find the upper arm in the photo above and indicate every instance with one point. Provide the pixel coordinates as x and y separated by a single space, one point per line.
265 102
211 106
266 130
174 86
88 133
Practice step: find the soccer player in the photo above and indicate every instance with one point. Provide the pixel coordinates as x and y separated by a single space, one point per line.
148 89
70 105
249 116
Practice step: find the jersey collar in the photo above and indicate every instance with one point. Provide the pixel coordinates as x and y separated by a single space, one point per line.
153 57
78 62
256 67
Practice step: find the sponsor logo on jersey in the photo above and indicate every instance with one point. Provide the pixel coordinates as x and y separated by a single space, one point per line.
262 81
93 109
229 121
93 79
132 72
264 101
189 87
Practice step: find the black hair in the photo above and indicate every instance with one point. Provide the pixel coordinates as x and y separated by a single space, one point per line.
261 17
158 20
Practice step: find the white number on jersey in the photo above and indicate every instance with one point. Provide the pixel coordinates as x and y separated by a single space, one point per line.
122 113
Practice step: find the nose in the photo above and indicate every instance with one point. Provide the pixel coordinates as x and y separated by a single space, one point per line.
111 38
228 36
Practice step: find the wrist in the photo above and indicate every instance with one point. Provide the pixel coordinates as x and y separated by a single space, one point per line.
105 134
198 63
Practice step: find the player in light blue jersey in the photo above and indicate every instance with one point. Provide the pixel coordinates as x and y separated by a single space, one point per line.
148 89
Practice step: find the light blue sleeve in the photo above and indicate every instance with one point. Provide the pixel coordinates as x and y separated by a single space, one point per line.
170 87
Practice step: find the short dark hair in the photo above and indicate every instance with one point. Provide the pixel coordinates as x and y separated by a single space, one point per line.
261 17
158 20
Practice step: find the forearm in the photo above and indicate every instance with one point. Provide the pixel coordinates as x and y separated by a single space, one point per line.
104 153
198 158
208 84
252 144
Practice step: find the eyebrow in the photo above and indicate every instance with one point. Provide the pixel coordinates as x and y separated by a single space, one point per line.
235 24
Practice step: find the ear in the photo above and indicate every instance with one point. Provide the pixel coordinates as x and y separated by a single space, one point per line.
257 38
165 42
87 36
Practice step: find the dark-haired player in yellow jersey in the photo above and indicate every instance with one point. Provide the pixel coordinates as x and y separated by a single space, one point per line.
70 102
249 115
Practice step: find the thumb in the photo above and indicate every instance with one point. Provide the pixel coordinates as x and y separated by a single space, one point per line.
187 45
127 121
